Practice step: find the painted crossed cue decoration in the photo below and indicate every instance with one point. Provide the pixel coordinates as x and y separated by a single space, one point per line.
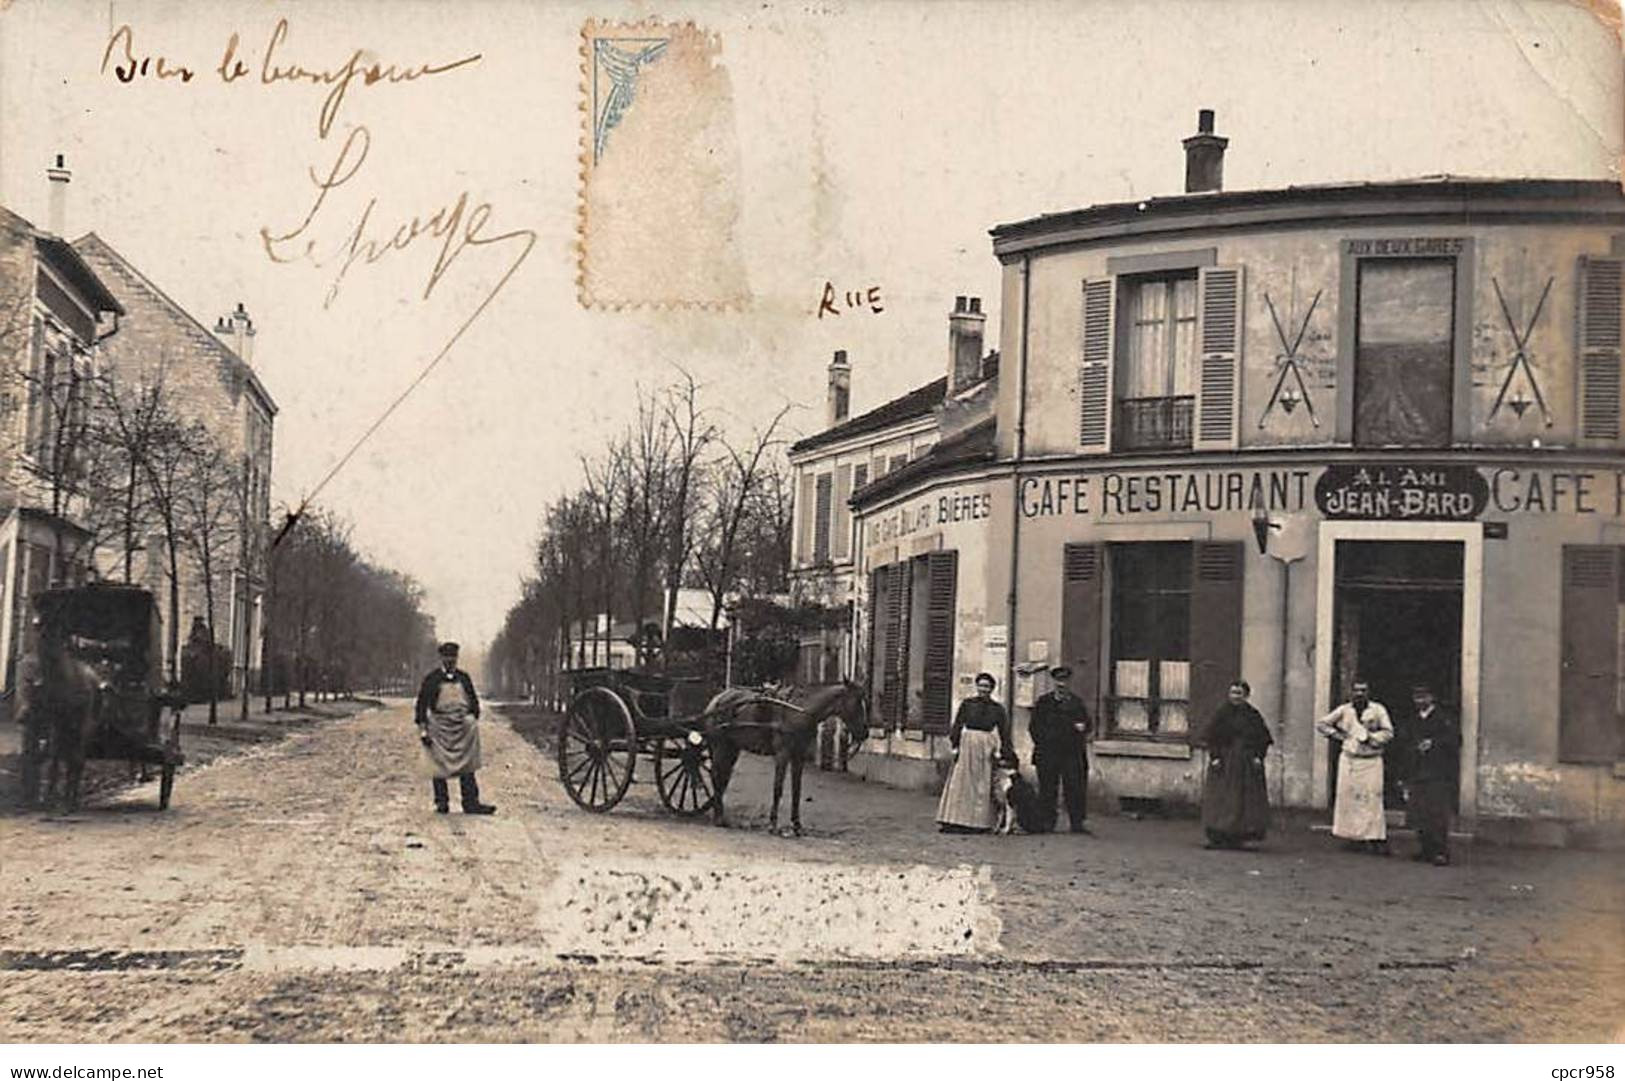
1520 358
1290 365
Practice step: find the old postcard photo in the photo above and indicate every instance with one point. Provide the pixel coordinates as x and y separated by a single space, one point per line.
1090 522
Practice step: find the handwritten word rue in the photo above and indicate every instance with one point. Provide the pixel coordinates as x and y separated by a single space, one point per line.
833 303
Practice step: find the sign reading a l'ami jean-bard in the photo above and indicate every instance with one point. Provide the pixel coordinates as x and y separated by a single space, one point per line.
1422 491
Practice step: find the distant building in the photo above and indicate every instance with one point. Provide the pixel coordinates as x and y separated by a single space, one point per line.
55 313
853 452
209 377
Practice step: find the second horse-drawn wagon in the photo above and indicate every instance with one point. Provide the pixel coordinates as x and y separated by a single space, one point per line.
691 738
91 687
616 715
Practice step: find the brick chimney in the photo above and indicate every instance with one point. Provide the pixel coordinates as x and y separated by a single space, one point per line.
1204 156
59 176
237 331
840 389
965 328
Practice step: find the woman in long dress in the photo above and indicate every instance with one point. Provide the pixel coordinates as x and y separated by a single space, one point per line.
1364 729
1235 802
981 729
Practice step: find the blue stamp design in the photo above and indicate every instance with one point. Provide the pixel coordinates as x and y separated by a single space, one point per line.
616 64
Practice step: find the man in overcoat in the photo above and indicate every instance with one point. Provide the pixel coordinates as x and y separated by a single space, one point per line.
447 717
1060 728
1436 746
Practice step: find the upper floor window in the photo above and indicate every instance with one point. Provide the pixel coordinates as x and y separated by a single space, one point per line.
1405 329
1157 360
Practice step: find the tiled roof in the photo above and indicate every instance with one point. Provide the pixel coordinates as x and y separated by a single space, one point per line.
911 406
974 444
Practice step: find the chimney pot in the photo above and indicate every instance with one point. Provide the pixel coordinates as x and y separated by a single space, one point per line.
58 175
839 390
1204 156
840 356
965 329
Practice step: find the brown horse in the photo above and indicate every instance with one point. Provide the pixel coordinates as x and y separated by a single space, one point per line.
68 698
741 719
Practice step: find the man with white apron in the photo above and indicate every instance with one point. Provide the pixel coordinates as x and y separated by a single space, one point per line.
448 713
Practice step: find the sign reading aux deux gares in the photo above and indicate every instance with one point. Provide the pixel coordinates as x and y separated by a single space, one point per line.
954 506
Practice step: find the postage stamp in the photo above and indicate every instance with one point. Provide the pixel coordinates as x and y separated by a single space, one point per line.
659 199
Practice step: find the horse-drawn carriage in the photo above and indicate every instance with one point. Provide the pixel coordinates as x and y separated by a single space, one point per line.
91 688
693 738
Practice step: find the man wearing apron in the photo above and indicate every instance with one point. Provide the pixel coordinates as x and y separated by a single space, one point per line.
448 712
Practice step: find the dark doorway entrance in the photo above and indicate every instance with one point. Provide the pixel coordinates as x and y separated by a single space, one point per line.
1397 622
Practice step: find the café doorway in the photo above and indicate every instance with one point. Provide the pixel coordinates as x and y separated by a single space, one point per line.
1397 621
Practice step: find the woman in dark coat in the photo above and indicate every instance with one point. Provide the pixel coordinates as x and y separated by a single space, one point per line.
1235 804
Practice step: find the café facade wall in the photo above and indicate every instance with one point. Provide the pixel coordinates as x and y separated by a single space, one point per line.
1521 500
1277 627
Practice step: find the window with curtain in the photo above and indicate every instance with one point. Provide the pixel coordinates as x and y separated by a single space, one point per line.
1157 360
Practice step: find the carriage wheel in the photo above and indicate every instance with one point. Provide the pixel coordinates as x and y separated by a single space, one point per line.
166 785
683 774
598 747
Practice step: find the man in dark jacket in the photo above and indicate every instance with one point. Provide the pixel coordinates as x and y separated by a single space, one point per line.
447 714
1436 743
1060 727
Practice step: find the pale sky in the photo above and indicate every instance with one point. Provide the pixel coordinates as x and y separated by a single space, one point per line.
878 143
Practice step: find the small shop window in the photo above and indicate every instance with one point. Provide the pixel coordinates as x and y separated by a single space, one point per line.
1150 672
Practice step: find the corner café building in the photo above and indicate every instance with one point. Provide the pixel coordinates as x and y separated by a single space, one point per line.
1290 436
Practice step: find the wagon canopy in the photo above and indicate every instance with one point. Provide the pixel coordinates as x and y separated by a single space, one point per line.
118 623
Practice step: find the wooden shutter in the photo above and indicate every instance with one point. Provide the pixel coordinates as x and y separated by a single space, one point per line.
860 476
875 659
895 654
1599 374
1218 391
841 542
821 510
942 576
1083 568
1095 368
804 524
1588 724
1216 581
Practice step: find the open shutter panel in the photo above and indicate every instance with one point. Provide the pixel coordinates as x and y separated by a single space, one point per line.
1219 378
1216 581
804 513
1588 726
943 574
1095 370
1599 348
821 511
841 541
891 688
1082 572
872 669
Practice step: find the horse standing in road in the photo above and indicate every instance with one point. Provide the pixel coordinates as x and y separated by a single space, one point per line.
741 719
70 699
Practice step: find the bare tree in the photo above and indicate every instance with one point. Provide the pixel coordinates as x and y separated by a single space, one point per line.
734 495
208 502
606 482
691 435
647 452
167 462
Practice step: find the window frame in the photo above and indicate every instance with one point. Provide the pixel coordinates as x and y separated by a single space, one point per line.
1111 602
1124 360
1461 358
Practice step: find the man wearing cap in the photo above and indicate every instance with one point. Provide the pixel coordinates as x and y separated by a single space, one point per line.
1060 728
447 714
1437 766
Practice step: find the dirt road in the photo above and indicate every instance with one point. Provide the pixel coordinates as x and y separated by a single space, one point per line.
306 891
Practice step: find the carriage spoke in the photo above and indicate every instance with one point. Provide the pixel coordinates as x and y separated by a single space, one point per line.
571 773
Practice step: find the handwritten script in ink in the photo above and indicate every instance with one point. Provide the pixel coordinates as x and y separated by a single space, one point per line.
343 228
833 303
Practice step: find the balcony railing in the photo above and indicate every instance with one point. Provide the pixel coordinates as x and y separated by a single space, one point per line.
1154 423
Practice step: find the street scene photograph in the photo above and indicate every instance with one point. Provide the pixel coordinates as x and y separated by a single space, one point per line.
1093 523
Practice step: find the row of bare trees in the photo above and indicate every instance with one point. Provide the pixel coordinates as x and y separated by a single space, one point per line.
338 623
672 501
